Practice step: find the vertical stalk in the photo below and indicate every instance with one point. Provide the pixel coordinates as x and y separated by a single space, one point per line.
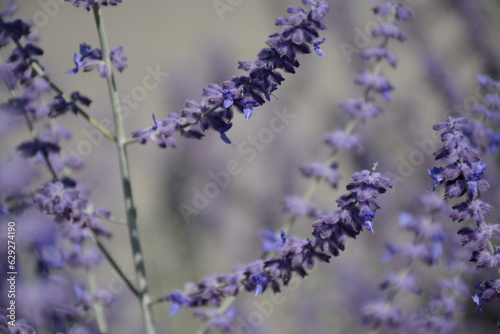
138 258
98 308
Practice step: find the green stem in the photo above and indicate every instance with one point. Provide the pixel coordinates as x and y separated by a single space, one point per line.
98 308
115 265
114 220
209 111
138 258
131 141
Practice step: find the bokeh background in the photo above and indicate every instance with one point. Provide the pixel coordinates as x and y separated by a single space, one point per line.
449 43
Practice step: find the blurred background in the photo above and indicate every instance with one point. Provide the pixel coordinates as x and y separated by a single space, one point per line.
192 44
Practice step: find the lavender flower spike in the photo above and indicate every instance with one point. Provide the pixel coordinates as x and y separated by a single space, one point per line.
300 32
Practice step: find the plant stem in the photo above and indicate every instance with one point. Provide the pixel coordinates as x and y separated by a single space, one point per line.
138 258
98 308
115 266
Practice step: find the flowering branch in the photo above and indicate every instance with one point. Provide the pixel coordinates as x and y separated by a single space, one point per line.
243 93
463 176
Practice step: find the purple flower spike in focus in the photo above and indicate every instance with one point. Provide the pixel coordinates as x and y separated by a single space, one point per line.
300 33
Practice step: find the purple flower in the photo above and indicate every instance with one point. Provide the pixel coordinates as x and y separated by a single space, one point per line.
60 106
222 132
32 148
16 106
485 259
248 106
368 220
178 300
117 58
403 14
487 82
87 4
18 62
214 320
380 312
268 239
384 9
479 235
400 12
318 50
228 97
400 282
296 256
435 174
488 291
91 59
13 30
379 53
86 258
377 82
69 203
260 282
357 211
296 206
364 109
347 142
320 171
389 31
161 132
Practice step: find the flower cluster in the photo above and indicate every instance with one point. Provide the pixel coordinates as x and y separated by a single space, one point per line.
91 59
216 320
446 301
427 247
365 107
481 135
463 177
60 105
68 221
358 108
295 256
69 205
243 93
